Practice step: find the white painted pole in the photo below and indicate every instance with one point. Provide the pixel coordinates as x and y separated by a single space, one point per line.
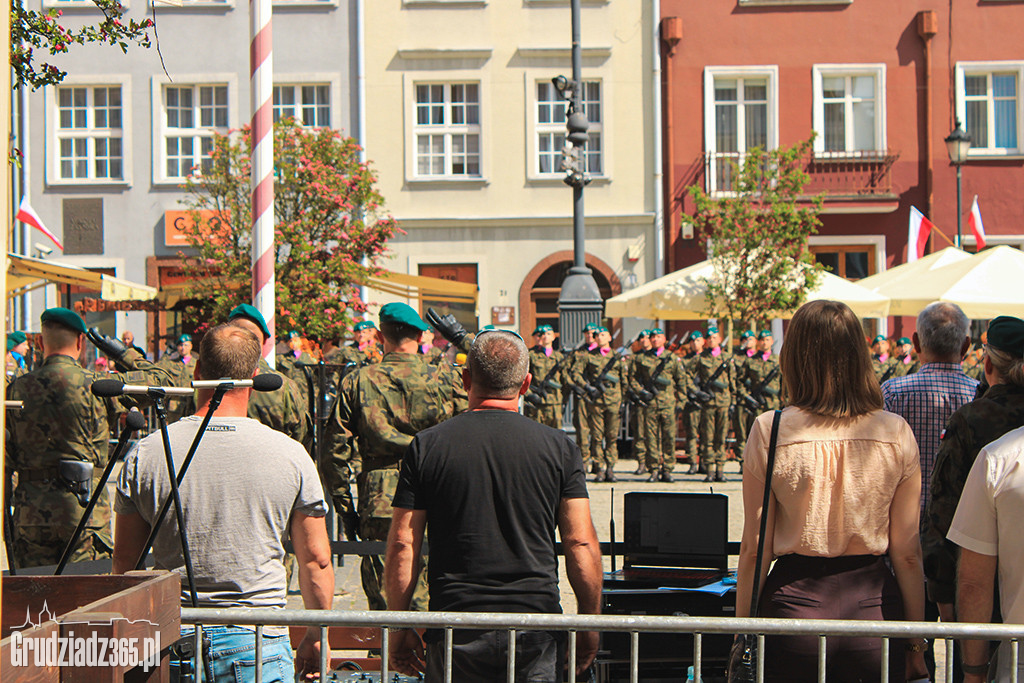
261 83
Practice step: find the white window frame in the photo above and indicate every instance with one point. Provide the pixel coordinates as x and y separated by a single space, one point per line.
963 69
333 83
770 72
159 118
179 5
52 129
538 129
821 71
446 78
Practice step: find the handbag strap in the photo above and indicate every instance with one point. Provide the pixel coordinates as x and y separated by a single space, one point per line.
764 512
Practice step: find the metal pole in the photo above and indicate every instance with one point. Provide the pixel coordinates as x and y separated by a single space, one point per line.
959 210
578 234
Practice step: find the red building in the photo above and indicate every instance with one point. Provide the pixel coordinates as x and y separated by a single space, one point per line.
882 82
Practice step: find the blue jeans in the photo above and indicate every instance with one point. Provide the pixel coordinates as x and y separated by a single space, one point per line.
482 656
230 657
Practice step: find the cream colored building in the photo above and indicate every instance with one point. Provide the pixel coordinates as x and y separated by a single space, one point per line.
465 130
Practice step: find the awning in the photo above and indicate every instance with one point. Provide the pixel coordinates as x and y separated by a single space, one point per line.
25 274
423 288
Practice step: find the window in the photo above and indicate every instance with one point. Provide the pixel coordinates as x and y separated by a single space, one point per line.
852 262
740 114
447 130
989 105
191 116
551 112
849 110
310 104
89 133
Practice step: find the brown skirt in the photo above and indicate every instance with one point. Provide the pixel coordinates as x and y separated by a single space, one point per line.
848 587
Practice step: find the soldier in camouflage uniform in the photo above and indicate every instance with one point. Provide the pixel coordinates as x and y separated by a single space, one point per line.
903 361
662 381
972 427
181 367
380 408
739 414
637 410
17 348
691 408
363 351
714 417
881 361
756 369
581 408
434 354
62 420
605 398
545 402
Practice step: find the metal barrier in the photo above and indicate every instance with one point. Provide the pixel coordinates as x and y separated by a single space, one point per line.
634 625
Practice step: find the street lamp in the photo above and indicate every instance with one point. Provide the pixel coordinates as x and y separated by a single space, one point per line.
957 144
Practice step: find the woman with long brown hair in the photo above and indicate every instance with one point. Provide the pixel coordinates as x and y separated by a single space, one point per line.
842 521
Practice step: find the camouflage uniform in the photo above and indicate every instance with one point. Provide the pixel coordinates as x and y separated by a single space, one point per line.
741 416
181 375
714 417
970 429
904 365
637 414
603 413
669 389
281 409
550 411
581 410
62 420
288 365
884 368
755 369
380 408
691 412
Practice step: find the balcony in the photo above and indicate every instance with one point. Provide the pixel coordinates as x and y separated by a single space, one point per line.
840 177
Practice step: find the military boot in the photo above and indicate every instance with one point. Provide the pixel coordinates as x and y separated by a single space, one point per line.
609 475
653 477
641 468
720 474
666 477
693 469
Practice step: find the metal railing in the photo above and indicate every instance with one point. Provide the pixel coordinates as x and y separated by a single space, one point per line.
633 625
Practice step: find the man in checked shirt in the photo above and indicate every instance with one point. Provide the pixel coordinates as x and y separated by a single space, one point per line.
927 398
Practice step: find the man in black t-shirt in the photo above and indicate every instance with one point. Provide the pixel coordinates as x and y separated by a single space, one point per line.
492 486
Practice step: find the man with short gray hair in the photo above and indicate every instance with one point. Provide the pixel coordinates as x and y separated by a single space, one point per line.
929 397
492 486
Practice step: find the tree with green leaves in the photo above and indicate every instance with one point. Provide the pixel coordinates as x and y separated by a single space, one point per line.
330 229
758 236
32 32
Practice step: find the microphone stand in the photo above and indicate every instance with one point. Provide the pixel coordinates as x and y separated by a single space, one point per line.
218 395
122 445
161 415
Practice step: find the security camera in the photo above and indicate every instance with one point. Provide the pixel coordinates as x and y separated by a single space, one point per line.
43 249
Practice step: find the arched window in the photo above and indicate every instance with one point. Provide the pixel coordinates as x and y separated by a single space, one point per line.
538 296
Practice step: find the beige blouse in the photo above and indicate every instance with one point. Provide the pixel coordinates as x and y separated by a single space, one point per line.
834 479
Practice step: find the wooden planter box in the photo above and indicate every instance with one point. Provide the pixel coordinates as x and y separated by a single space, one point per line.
83 615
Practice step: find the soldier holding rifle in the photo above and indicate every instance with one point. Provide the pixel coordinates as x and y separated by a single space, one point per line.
714 375
662 383
603 376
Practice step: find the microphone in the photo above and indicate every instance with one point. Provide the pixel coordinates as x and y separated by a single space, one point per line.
265 382
105 388
135 420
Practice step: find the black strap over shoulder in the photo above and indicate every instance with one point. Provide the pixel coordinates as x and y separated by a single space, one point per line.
764 512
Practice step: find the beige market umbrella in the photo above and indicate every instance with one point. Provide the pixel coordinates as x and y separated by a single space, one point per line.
986 285
682 296
888 281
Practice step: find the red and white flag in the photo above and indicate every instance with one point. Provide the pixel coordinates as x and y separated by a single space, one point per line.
26 214
977 227
917 238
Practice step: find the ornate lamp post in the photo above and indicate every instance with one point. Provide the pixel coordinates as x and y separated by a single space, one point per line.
957 144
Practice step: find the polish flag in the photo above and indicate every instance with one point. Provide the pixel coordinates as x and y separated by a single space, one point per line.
26 214
977 227
917 238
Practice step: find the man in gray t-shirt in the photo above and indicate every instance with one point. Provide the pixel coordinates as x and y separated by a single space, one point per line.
246 490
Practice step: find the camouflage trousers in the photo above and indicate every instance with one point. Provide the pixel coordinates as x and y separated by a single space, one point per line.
549 414
714 423
376 491
581 421
741 428
639 420
604 428
661 438
691 419
45 518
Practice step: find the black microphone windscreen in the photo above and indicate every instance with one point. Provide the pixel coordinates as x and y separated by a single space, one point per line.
267 382
135 419
107 387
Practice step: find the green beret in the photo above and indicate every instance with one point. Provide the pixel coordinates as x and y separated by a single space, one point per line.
402 314
879 338
65 317
184 338
15 338
1007 334
712 330
590 327
904 340
600 329
656 330
292 335
644 333
747 334
250 312
696 334
364 325
764 333
541 329
488 327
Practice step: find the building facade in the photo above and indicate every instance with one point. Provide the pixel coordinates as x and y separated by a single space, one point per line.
880 83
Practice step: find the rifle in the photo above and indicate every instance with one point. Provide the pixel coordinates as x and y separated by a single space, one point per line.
888 373
596 388
539 389
703 393
754 400
651 387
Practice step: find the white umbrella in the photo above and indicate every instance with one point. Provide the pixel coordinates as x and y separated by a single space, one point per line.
682 296
986 285
888 281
